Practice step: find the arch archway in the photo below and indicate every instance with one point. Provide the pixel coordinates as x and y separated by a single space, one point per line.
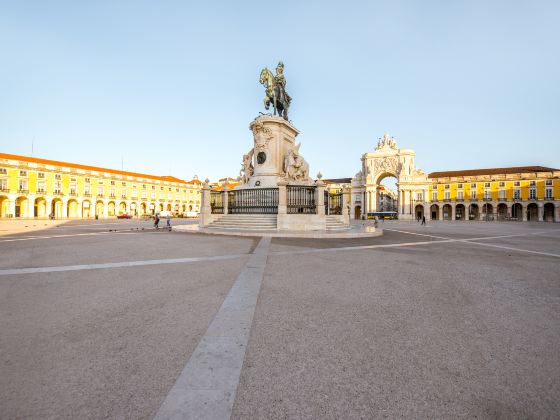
447 211
434 212
143 209
160 207
4 202
419 211
517 211
502 211
122 207
487 211
168 207
460 213
473 212
389 161
40 207
111 208
21 207
72 208
86 209
99 209
56 208
548 215
532 212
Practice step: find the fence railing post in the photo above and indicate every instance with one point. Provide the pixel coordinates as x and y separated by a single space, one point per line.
320 197
282 197
225 197
205 211
345 205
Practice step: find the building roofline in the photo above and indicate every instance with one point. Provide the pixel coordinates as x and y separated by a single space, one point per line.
42 161
491 171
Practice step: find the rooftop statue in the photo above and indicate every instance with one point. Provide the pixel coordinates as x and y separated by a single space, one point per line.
275 91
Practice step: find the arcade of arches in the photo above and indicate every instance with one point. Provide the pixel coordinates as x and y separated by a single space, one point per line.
518 193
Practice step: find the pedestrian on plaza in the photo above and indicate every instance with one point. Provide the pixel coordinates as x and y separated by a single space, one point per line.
424 220
168 218
156 221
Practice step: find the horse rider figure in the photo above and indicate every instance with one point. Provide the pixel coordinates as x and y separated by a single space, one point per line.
281 83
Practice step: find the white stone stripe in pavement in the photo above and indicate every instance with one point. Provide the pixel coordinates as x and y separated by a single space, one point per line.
207 385
68 235
35 270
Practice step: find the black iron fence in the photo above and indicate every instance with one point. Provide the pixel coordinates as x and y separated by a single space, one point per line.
253 201
333 203
301 199
216 202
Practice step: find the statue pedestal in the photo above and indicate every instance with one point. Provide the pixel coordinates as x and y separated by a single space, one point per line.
273 138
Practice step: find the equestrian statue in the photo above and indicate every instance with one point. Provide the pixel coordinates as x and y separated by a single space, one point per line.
275 91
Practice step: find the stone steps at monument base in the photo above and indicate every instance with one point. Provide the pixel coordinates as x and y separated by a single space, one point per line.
260 222
333 223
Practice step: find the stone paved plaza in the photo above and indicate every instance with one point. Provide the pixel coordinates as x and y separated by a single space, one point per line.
109 319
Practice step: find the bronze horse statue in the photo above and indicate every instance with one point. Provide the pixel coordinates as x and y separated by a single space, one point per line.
275 94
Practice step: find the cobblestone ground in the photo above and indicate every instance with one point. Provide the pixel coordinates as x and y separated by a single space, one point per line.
100 319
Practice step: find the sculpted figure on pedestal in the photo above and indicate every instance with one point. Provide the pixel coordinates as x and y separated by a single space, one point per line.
295 166
247 167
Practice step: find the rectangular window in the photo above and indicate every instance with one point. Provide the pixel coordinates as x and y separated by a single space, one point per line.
73 188
100 190
548 182
4 184
57 187
459 195
3 171
517 194
473 185
486 185
112 192
23 185
473 195
502 194
434 187
123 184
532 194
153 195
112 182
532 183
87 180
22 173
153 187
447 195
517 184
41 186
487 194
87 189
447 187
58 176
548 193
460 186
40 175
502 184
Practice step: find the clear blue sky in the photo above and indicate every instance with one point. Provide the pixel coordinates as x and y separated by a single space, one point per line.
172 86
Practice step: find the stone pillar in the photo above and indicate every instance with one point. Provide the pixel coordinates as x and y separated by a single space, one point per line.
557 212
540 210
524 211
320 199
453 212
283 198
80 209
441 212
31 206
11 209
205 212
225 197
345 205
64 208
105 209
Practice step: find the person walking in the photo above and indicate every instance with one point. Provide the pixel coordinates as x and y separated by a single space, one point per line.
156 221
424 220
168 218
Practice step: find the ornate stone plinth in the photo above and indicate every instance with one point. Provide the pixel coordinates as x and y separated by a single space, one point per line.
274 156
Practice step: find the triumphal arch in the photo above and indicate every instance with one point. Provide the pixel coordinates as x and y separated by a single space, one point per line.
389 160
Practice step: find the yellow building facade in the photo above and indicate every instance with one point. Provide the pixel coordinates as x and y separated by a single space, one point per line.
39 188
530 193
